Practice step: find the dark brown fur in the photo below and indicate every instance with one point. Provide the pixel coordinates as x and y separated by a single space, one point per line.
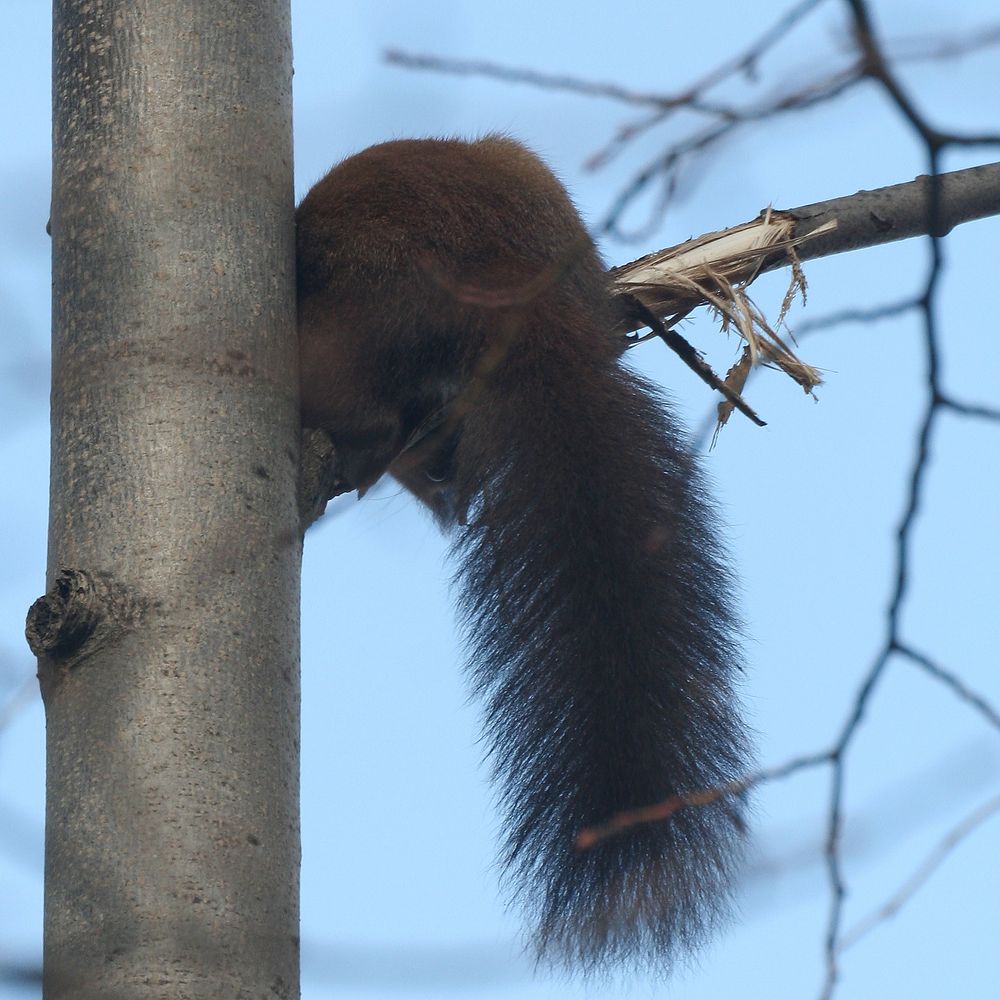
455 331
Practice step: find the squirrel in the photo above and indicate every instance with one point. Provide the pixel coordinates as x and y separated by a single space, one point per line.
456 330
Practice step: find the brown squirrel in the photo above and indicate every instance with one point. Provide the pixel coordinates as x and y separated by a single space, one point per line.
456 330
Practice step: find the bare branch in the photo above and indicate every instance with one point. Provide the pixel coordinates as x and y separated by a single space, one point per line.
953 681
865 219
869 62
534 78
969 409
872 315
690 97
717 268
923 49
935 859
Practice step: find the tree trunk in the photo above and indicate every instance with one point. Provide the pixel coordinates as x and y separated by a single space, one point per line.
169 634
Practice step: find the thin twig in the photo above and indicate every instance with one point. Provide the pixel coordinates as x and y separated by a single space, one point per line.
953 681
931 863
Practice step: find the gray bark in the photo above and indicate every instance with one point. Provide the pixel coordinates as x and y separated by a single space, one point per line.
854 222
168 639
897 212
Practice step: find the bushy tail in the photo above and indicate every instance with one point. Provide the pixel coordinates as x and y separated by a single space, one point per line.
599 617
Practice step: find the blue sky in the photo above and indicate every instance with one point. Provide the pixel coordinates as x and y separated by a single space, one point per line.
399 834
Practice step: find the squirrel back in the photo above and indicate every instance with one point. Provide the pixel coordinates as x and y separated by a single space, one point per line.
455 329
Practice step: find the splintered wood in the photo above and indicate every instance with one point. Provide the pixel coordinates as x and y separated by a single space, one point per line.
716 270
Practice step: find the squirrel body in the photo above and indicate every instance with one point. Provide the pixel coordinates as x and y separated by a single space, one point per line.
455 330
